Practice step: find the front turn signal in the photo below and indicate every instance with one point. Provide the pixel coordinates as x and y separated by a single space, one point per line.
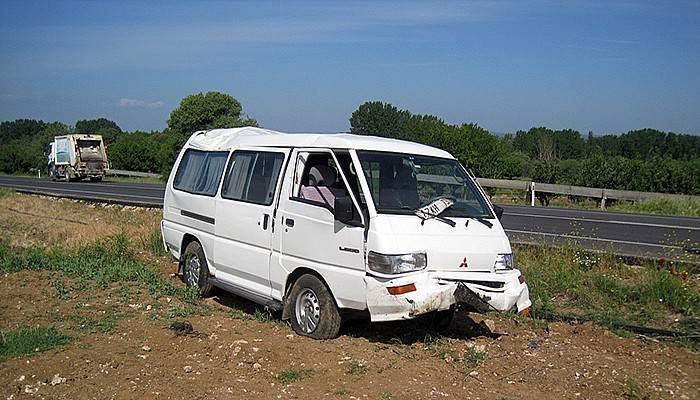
397 290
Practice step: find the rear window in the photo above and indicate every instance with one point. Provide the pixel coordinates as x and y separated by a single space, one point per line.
200 171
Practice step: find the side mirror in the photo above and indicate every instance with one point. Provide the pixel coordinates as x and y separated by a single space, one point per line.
343 209
498 210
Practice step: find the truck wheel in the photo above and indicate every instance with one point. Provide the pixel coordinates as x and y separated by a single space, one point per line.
96 179
195 272
314 312
52 172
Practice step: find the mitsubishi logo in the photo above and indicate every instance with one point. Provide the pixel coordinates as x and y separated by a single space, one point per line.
464 263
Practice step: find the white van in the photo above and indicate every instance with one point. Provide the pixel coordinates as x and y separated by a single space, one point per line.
319 225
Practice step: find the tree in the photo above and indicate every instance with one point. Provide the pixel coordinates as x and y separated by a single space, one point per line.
208 111
474 146
19 128
135 151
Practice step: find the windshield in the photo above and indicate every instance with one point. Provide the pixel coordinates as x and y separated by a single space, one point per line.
402 183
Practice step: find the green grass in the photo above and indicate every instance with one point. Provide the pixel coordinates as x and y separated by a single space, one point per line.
287 376
634 391
60 288
25 341
5 192
94 325
356 368
439 347
688 208
154 243
602 288
104 262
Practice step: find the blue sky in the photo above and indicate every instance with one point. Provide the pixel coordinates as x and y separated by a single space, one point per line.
606 67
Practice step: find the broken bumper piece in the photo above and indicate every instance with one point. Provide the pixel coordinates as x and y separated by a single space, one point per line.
437 293
429 295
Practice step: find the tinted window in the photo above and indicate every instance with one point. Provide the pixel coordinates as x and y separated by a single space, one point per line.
200 171
252 176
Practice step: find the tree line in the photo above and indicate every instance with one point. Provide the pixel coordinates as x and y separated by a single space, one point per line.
644 160
25 141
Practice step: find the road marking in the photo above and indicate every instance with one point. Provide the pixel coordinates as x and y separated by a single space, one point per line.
691 228
58 193
592 238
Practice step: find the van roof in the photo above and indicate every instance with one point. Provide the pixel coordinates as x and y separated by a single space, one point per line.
226 139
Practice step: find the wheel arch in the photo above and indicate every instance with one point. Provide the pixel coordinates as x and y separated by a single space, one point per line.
291 280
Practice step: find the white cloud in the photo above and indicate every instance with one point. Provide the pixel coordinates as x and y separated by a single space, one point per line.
136 103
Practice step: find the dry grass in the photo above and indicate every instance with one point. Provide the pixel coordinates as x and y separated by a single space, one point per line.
33 221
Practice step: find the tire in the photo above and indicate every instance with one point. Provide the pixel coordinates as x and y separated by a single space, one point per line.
195 272
96 179
312 308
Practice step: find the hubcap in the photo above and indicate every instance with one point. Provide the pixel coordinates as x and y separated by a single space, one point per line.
192 267
307 310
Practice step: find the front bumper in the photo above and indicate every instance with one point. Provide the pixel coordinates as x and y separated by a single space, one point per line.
437 291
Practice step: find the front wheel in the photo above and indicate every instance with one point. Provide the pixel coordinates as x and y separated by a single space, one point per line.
314 312
195 271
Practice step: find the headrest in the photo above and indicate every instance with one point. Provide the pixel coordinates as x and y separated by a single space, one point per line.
322 175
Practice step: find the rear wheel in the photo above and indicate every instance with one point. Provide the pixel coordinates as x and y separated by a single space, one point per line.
96 179
195 271
314 312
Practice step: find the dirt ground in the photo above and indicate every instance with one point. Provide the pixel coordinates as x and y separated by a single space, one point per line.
236 353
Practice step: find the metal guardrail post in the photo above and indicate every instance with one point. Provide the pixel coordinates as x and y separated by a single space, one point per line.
602 201
532 194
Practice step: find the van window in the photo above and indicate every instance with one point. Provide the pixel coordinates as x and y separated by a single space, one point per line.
320 183
200 171
252 176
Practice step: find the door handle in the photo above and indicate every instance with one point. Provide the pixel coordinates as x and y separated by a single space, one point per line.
289 222
266 218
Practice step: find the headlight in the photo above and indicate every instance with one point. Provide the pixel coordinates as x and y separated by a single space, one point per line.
396 264
504 261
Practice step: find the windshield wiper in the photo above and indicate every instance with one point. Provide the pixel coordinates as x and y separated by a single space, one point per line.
486 222
426 216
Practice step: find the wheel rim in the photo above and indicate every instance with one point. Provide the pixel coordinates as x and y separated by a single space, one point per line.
307 310
192 267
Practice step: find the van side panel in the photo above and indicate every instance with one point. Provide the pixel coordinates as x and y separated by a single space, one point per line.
193 214
184 213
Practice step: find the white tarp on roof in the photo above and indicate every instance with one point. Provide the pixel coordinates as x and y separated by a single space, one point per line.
224 139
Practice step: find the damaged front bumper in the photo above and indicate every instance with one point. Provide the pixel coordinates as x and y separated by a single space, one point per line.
436 291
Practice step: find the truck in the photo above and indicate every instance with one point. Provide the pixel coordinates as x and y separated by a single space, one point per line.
76 157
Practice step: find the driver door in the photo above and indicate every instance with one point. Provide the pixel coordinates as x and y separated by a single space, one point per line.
311 237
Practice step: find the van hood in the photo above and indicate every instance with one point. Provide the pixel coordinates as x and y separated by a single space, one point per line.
468 246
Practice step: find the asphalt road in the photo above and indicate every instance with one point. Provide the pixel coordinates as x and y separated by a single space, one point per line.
634 235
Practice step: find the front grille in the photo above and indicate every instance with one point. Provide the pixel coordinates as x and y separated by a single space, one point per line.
489 284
